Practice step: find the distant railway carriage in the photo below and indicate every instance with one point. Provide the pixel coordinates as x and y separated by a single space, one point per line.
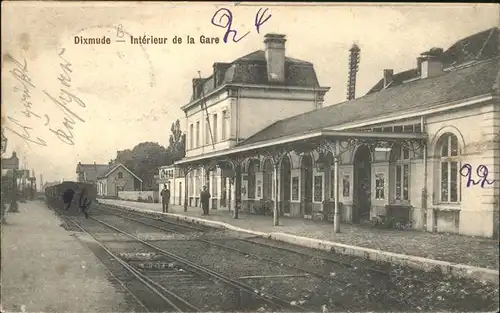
80 194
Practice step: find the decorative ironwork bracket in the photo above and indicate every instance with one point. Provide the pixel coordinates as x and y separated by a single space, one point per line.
414 145
276 155
186 169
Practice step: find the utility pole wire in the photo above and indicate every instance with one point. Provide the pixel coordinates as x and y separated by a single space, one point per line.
204 103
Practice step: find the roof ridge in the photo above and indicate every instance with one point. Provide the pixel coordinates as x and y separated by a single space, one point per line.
392 90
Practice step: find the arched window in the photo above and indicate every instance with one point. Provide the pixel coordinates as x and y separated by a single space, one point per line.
449 182
400 161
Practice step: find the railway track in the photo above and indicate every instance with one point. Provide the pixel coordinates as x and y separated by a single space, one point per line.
133 281
245 294
388 298
267 245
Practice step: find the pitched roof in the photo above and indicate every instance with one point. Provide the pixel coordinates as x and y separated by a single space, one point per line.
110 171
480 46
397 79
477 47
50 184
92 171
252 69
467 82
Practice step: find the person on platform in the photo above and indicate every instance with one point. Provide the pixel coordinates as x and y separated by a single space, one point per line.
205 200
165 198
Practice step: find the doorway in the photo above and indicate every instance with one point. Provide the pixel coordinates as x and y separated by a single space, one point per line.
362 185
285 186
306 172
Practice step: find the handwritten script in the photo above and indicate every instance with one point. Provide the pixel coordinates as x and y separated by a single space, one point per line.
482 173
65 97
223 18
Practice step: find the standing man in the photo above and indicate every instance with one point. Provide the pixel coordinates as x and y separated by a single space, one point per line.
165 198
205 200
68 197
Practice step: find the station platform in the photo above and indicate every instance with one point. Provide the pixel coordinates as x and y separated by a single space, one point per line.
455 249
46 269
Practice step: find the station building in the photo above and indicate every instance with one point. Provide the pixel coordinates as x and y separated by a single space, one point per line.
259 136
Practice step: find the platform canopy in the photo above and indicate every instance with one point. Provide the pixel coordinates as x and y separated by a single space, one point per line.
325 138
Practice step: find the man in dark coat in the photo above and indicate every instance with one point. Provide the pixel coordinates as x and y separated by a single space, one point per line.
165 198
205 200
68 197
84 202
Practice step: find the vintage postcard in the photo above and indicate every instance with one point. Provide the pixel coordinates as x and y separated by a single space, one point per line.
250 157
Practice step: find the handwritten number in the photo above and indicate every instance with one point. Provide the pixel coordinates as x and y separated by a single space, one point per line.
225 20
229 20
258 19
481 171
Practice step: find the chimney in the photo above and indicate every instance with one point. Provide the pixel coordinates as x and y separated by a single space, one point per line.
353 71
219 72
431 63
388 76
197 84
275 57
419 65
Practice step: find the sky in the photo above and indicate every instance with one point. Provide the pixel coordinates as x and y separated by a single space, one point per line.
92 100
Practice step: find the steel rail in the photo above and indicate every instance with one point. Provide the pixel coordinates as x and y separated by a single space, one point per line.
273 300
288 250
230 248
333 261
321 276
152 285
318 275
111 273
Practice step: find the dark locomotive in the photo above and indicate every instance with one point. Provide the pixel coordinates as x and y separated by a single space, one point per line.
71 198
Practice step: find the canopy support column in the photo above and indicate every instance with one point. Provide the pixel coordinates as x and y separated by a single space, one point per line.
276 211
336 216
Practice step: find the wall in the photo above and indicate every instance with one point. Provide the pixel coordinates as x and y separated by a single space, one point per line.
10 163
218 103
113 182
244 115
277 105
134 195
478 131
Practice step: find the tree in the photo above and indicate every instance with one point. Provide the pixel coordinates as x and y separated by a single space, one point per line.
177 141
125 157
